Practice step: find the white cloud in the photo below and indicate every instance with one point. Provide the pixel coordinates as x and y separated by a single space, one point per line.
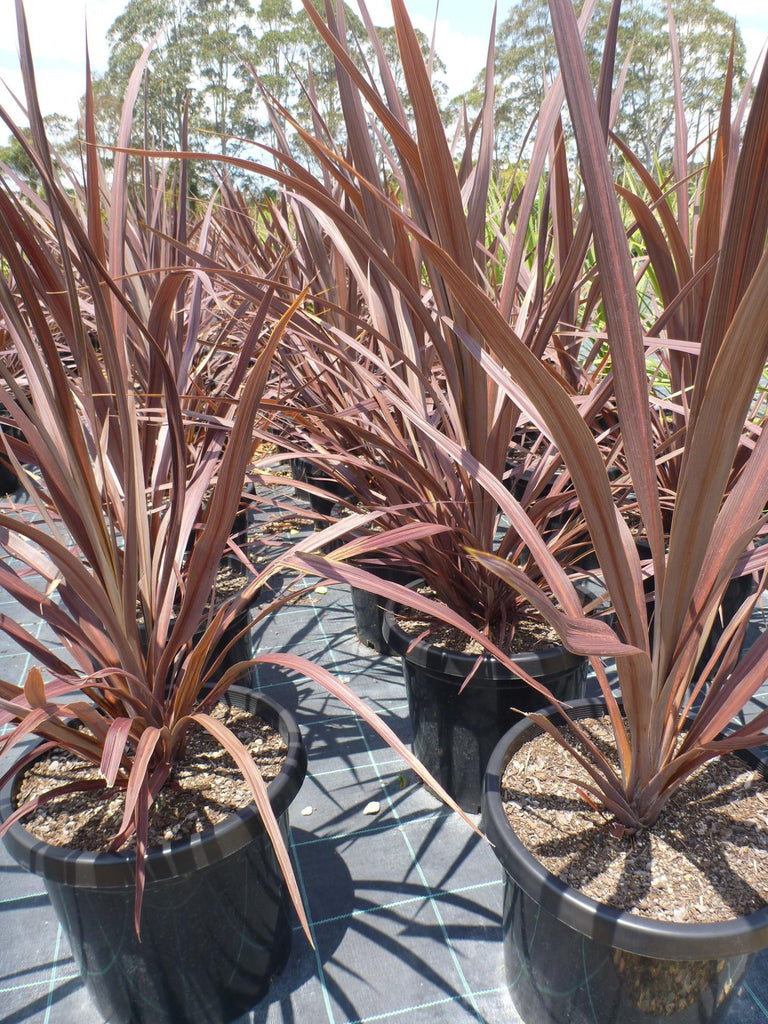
380 11
752 19
463 55
57 33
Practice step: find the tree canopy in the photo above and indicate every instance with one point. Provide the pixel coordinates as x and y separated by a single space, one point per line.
526 61
208 54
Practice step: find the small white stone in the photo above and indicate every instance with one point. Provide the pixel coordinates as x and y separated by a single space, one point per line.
321 590
306 811
372 808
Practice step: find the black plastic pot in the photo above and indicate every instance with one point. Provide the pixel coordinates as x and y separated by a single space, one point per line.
9 482
240 524
215 924
368 608
737 591
244 516
242 648
454 733
588 561
517 481
571 959
303 469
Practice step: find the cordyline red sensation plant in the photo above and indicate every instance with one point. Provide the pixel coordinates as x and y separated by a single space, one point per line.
670 723
680 224
118 490
392 385
671 714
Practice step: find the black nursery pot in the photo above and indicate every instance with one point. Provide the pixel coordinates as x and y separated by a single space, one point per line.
244 516
736 592
454 733
368 608
9 482
303 469
241 523
237 637
571 960
215 922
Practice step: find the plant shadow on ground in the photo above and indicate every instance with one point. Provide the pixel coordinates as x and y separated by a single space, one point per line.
386 919
47 1002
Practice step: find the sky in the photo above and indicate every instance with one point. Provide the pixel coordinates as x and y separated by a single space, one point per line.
57 31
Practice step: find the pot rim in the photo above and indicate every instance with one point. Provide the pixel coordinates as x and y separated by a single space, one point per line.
548 661
90 869
617 928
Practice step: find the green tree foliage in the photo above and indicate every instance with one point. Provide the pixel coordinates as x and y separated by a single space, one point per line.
60 131
170 71
207 53
291 56
277 46
526 60
287 53
222 30
15 157
389 43
704 34
195 61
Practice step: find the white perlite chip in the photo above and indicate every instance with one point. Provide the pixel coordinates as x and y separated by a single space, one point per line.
306 811
372 808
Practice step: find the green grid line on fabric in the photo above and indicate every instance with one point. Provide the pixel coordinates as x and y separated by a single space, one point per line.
406 901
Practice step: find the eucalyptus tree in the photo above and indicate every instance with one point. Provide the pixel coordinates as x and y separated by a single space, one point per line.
209 55
224 32
170 75
704 35
526 61
195 66
297 68
15 155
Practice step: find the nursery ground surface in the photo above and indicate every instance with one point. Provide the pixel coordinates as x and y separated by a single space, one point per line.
404 904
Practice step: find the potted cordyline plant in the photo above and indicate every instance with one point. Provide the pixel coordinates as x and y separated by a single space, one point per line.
678 220
632 760
117 492
608 956
427 420
102 555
